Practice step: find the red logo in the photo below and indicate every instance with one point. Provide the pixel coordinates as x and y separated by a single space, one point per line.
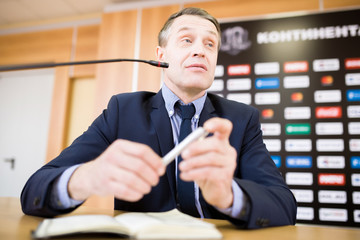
267 113
297 97
328 112
352 63
327 80
330 179
236 70
293 67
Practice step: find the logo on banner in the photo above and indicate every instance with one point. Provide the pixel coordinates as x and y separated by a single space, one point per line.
352 63
294 67
331 179
328 112
234 40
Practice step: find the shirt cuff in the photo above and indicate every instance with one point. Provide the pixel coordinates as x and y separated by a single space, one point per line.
60 198
239 209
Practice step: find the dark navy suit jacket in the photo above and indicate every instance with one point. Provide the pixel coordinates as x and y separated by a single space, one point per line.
142 117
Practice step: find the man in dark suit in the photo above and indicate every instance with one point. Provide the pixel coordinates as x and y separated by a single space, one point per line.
231 173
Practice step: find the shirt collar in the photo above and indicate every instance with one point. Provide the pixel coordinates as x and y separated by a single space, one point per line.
170 99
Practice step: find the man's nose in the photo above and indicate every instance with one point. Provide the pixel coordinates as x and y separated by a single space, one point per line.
198 49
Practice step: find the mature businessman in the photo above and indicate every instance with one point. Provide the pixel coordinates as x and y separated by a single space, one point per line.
229 175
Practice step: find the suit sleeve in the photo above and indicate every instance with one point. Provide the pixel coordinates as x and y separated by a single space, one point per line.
35 196
271 202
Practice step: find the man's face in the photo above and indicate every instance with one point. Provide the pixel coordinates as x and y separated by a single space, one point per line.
191 51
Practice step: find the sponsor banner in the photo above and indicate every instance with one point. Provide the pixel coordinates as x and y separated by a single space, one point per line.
273 145
267 68
327 96
356 197
297 113
296 81
298 129
303 196
298 162
329 128
240 97
219 71
353 95
329 112
277 160
352 63
267 98
330 162
330 145
298 145
267 83
352 79
299 178
336 197
354 145
353 111
333 214
238 84
355 179
305 213
357 216
239 70
217 85
326 65
271 129
355 162
354 128
295 67
331 179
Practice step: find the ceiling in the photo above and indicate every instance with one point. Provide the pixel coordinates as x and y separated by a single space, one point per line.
14 12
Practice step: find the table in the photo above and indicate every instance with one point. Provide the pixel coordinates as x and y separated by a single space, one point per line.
15 225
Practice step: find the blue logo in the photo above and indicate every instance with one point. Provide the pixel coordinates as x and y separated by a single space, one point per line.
298 161
267 83
355 162
277 161
353 95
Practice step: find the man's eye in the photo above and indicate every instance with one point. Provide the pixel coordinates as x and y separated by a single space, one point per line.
187 40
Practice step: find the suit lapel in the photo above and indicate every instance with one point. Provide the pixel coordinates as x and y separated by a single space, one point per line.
162 125
207 112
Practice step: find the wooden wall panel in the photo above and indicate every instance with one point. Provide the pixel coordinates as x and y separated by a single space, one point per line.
245 8
86 48
153 19
330 4
117 40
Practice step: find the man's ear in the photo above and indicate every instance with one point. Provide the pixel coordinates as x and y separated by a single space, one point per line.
160 54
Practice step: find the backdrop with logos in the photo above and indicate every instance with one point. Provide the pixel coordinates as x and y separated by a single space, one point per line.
303 74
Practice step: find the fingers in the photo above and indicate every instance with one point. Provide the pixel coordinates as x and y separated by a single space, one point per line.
221 127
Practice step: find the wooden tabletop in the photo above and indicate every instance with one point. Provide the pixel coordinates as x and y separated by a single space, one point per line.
15 225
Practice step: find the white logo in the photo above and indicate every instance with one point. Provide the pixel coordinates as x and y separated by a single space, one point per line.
298 145
356 197
305 213
219 71
303 196
234 40
267 98
352 79
330 145
271 129
240 97
296 81
354 128
333 214
334 128
354 145
331 162
355 180
273 145
326 65
217 85
332 196
326 96
239 84
267 68
353 111
297 113
297 178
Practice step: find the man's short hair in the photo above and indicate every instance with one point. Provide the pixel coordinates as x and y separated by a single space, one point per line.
164 32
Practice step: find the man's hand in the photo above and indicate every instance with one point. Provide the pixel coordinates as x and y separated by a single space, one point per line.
211 163
127 170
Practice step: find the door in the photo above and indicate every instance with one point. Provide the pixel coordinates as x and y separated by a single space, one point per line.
25 102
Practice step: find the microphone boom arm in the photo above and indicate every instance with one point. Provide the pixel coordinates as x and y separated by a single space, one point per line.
51 64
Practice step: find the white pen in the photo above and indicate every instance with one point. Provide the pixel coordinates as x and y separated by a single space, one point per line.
196 134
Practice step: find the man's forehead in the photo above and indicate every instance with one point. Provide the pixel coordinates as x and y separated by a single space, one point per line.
190 22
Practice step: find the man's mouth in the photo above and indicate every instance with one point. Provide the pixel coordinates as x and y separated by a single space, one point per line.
197 65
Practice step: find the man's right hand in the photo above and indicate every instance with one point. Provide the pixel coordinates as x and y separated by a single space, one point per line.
126 169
